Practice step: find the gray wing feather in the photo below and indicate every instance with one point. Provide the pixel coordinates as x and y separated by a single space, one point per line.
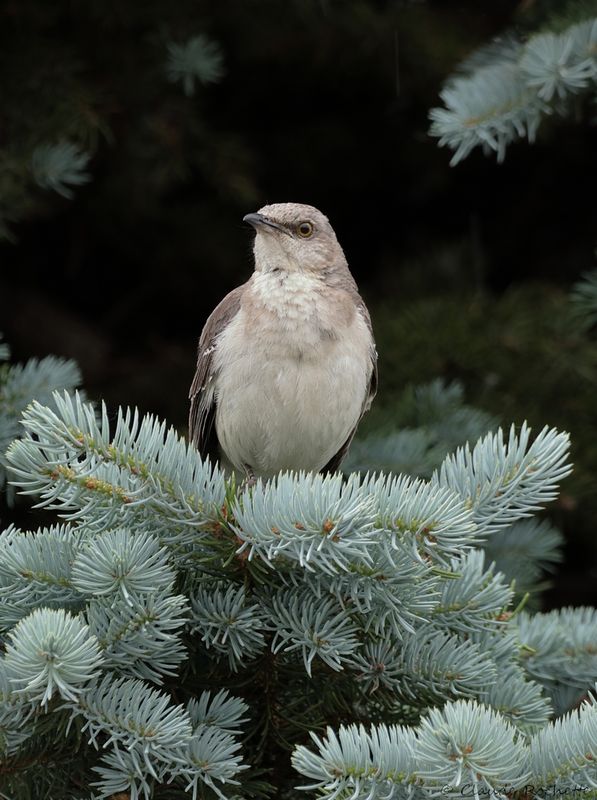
335 461
202 393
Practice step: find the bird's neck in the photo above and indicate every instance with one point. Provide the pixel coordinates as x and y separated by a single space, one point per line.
283 293
294 312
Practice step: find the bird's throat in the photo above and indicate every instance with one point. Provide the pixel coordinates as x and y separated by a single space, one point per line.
295 294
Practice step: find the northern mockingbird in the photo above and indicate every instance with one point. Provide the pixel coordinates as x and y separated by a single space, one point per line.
287 364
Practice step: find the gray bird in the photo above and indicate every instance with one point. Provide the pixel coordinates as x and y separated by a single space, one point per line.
286 364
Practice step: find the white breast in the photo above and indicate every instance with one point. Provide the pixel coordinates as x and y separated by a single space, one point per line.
289 395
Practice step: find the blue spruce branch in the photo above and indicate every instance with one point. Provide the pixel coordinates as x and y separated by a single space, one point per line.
502 93
367 595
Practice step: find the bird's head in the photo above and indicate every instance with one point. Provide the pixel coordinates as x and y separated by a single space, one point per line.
292 237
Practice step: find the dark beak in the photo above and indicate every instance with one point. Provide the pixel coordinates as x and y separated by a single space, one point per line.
259 221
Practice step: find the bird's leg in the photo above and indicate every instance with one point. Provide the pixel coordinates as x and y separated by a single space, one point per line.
249 480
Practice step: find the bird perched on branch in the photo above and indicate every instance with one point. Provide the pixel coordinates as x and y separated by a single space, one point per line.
286 364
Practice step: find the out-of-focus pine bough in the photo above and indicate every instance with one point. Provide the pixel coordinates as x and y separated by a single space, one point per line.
60 161
504 90
584 299
198 59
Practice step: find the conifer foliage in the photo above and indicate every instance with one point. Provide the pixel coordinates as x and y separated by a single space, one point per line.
169 634
21 383
504 90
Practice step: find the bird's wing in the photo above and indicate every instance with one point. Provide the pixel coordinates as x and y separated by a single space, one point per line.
202 392
334 462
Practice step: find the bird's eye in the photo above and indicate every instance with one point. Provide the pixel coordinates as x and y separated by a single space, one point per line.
305 229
